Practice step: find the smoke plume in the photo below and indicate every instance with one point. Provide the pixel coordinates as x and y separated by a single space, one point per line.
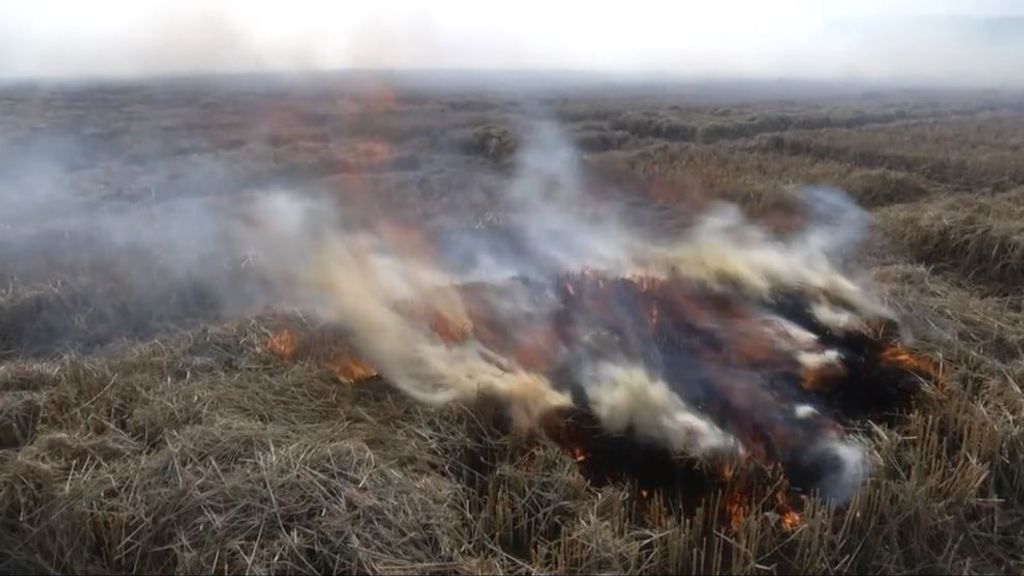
570 304
708 341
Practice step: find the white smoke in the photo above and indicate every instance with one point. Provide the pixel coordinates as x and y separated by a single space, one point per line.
369 285
626 398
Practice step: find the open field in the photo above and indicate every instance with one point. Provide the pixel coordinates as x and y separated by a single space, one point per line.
147 423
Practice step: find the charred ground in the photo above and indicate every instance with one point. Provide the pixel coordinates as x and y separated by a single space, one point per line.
146 426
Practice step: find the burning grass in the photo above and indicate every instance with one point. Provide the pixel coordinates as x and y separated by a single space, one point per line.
210 454
269 445
861 375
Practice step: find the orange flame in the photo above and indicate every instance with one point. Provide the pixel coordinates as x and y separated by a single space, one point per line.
790 520
323 349
820 378
897 355
283 344
351 370
737 508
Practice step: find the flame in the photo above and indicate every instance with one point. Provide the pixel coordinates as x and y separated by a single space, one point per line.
729 360
703 364
737 508
898 356
820 378
790 520
283 344
323 348
351 370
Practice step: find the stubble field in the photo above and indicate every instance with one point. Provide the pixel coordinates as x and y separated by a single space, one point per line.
149 422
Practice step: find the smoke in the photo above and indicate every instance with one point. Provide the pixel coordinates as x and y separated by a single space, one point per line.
88 263
907 41
625 398
446 328
667 337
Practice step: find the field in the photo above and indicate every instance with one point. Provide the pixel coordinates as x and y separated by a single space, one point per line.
149 422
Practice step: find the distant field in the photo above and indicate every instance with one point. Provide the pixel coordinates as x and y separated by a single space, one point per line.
147 426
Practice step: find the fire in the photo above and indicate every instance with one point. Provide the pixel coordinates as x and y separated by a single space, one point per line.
756 382
790 520
896 355
749 377
323 347
820 377
654 361
351 370
667 484
283 344
737 508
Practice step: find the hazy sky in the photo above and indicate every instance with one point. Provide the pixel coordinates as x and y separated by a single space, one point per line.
949 40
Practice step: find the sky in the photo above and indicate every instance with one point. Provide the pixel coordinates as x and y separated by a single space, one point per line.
953 41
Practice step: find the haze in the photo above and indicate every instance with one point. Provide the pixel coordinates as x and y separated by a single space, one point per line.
946 42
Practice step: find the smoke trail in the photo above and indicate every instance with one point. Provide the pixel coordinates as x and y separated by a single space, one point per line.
537 339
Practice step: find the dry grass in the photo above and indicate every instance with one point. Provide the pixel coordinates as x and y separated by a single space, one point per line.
202 452
980 238
967 153
206 454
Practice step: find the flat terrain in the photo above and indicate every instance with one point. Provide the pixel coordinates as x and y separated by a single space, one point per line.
146 424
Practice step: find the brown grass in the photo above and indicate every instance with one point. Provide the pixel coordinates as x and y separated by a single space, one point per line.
206 454
963 152
203 452
980 238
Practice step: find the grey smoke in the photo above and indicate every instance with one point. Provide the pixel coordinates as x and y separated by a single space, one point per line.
154 262
551 227
89 264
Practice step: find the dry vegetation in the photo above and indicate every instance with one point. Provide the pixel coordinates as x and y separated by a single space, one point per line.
980 238
140 436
